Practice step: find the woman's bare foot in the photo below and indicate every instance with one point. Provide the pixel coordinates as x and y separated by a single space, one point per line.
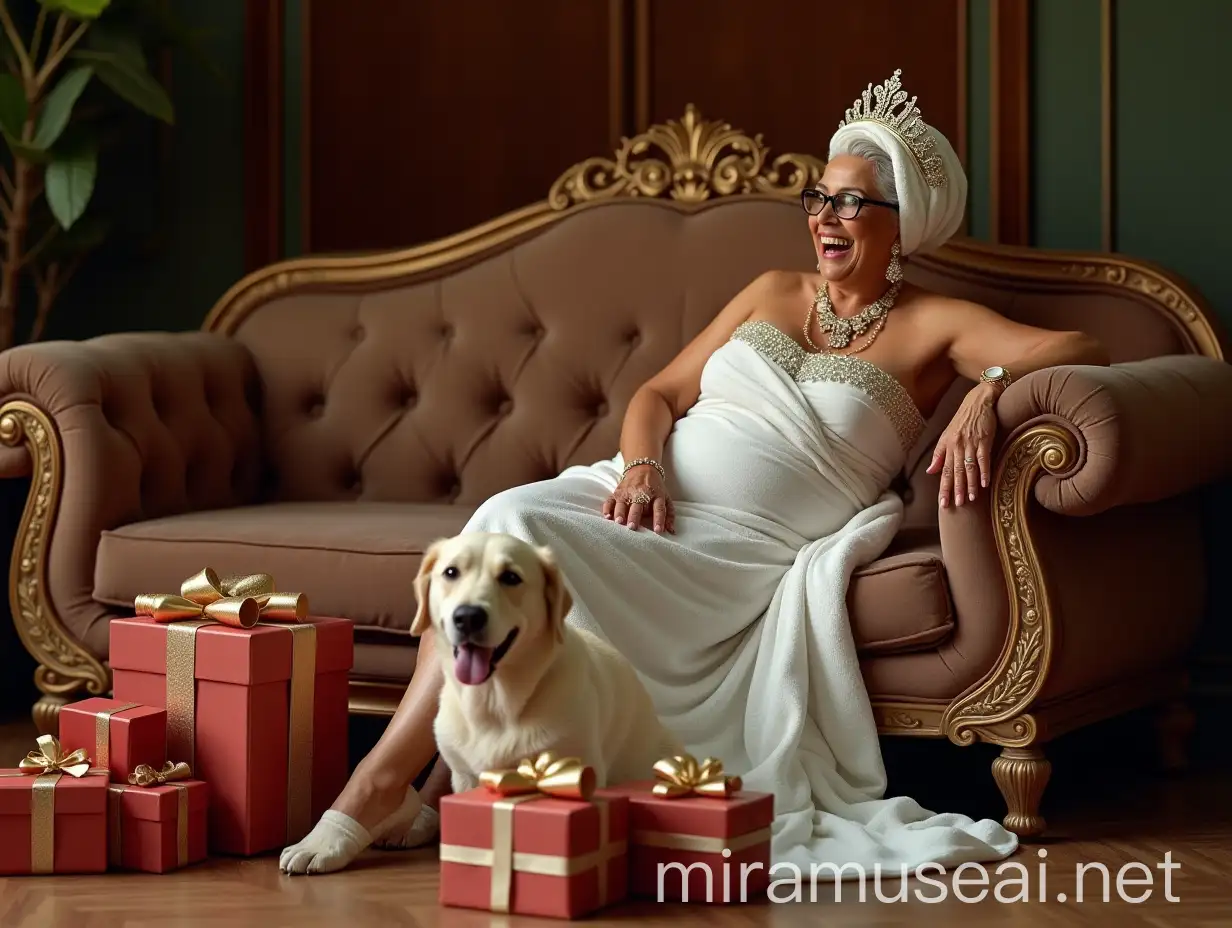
424 826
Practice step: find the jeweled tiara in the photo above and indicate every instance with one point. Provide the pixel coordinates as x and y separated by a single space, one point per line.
906 124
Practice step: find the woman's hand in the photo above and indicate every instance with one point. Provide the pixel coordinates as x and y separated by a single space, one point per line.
639 494
964 448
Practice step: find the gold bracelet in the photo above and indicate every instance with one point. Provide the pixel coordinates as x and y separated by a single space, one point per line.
638 462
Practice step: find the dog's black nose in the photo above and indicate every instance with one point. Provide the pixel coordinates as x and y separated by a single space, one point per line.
470 619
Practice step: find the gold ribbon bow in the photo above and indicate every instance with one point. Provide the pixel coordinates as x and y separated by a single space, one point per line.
236 601
565 777
145 775
240 602
50 758
682 775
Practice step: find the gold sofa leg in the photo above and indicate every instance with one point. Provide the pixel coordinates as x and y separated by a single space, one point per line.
1022 774
66 667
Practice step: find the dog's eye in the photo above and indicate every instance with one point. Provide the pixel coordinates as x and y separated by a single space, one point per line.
450 573
509 578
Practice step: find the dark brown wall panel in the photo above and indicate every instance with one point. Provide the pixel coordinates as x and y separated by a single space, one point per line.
263 126
791 68
1010 61
427 117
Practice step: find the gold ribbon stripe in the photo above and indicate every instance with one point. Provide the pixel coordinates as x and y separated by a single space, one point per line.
703 845
182 688
43 823
115 825
102 732
299 729
504 861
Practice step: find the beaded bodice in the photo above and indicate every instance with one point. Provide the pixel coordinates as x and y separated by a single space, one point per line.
804 366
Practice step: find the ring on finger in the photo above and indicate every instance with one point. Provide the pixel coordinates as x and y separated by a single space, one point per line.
641 498
968 460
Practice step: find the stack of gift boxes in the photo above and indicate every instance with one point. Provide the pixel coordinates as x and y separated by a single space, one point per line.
226 732
540 839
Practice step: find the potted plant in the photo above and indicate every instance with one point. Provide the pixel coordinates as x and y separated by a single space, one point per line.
57 56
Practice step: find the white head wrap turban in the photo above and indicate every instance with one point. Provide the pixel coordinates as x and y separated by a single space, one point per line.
927 215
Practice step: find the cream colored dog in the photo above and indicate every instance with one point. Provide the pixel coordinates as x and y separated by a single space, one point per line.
517 679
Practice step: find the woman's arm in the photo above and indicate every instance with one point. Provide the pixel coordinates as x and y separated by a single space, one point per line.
670 394
666 397
978 338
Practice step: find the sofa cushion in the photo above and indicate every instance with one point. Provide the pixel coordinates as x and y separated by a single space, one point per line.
358 560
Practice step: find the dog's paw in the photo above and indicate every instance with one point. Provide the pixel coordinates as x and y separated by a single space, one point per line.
421 830
336 840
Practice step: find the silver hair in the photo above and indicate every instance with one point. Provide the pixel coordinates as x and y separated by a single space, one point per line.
876 155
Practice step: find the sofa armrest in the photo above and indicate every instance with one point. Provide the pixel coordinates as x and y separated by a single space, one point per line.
1144 430
1093 442
114 430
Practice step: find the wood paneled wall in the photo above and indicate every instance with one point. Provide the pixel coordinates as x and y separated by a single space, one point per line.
422 119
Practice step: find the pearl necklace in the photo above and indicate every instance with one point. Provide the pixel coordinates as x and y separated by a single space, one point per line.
841 330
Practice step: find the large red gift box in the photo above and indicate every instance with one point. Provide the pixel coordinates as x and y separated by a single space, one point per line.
532 852
118 736
258 712
158 823
53 814
696 836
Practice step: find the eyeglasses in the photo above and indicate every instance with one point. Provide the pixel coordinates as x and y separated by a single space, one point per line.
846 205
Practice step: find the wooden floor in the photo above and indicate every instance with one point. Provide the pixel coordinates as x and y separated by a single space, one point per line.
1140 821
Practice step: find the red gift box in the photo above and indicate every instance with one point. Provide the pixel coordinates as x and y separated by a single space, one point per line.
53 813
696 836
536 841
158 823
118 736
258 709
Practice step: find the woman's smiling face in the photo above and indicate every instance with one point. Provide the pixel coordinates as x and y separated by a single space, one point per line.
859 247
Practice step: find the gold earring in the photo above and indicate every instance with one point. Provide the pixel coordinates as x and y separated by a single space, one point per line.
894 270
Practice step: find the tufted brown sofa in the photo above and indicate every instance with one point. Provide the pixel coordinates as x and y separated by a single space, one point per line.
339 413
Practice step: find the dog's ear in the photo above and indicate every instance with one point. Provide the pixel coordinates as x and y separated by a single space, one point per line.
559 600
423 580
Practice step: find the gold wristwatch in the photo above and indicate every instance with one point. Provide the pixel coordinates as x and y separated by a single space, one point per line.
997 375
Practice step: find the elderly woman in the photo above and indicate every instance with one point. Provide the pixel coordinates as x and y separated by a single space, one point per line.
752 477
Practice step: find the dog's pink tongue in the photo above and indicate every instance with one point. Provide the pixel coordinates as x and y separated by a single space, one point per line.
472 663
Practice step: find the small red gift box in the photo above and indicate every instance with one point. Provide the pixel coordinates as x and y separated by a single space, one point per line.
256 700
117 736
157 823
538 840
53 813
696 836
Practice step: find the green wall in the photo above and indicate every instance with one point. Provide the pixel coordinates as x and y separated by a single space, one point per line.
1170 129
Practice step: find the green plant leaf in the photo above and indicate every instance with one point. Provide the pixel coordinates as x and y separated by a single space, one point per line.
13 107
131 81
69 184
58 106
80 9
